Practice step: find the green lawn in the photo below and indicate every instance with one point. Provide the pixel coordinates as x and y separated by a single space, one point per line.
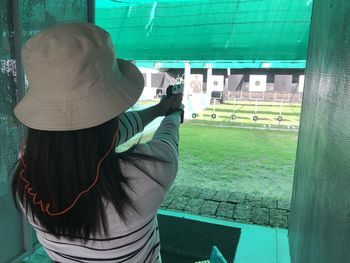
218 154
242 160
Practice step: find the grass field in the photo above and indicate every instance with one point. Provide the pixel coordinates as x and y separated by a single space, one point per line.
242 160
267 113
217 154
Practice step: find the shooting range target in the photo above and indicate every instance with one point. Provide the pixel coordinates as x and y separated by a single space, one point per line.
233 117
255 118
279 118
213 116
194 115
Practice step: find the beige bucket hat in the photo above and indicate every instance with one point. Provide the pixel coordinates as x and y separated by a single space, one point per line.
75 80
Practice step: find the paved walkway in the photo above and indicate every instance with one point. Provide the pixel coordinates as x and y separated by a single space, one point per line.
233 206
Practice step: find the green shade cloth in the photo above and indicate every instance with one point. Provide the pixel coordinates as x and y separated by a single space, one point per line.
207 30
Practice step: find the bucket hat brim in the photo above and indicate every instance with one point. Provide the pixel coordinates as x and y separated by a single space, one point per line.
116 95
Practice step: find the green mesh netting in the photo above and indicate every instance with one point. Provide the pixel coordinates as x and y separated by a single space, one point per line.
320 212
8 127
34 16
207 30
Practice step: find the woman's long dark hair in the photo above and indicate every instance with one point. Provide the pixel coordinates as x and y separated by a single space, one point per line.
61 164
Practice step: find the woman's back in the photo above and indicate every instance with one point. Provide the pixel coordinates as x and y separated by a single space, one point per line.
149 170
86 202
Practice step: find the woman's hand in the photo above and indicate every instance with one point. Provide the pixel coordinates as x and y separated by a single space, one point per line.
166 106
169 104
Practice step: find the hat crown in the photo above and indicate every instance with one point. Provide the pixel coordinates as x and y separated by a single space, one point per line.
64 61
75 80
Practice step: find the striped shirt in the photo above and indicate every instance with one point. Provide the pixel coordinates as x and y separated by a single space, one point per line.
138 240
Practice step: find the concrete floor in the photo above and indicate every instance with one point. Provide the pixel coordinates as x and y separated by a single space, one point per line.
257 244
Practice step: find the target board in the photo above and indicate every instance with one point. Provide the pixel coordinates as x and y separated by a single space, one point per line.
234 82
283 83
257 83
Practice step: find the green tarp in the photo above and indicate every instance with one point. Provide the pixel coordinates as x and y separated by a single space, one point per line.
207 30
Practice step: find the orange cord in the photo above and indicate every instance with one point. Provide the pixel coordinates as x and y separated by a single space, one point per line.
45 208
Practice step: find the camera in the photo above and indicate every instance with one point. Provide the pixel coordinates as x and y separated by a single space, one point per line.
174 89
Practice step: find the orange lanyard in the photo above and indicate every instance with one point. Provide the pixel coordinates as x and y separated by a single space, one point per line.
45 207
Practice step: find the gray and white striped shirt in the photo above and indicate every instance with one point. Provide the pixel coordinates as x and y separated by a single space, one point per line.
138 240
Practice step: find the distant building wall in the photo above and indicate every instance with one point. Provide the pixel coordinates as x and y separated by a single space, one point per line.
271 73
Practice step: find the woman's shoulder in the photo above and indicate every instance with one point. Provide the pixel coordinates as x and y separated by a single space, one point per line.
157 152
155 159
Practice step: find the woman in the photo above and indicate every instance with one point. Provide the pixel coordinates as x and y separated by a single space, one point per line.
86 202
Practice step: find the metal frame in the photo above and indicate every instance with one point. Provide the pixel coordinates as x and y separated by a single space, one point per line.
91 11
17 43
27 231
